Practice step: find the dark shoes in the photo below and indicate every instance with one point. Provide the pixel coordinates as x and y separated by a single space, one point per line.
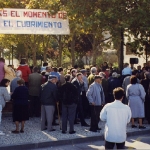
133 126
142 127
21 131
92 130
15 132
52 130
99 128
72 132
64 132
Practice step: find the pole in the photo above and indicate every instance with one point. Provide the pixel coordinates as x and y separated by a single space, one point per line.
12 54
121 50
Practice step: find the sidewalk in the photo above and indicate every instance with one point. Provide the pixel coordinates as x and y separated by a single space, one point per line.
33 137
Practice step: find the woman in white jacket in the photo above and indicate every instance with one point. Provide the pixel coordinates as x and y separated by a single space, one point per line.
4 96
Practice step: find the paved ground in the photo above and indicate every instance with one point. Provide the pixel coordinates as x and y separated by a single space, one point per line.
136 142
34 135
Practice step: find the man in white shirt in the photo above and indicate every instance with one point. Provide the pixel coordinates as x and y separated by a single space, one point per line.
117 116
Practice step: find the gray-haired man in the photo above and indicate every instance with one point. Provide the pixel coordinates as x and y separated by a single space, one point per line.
48 99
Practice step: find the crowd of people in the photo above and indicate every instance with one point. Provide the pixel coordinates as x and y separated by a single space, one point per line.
49 92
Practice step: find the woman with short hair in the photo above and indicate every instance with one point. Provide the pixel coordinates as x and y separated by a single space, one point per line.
135 93
4 96
20 102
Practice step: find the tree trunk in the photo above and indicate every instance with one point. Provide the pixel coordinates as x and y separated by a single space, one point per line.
121 52
94 50
34 57
73 50
60 51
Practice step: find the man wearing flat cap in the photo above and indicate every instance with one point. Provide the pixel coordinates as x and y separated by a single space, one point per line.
96 99
48 97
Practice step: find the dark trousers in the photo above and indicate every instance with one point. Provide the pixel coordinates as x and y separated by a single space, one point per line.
80 112
110 145
95 112
35 106
86 105
68 113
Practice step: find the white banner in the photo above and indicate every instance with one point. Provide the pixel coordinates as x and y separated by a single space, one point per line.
33 21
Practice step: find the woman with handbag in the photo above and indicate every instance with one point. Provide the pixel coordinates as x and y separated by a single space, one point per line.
135 94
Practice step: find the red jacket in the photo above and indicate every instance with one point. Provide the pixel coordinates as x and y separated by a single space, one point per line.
25 71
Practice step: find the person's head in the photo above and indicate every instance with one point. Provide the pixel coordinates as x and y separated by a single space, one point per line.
126 65
73 72
134 72
68 78
93 70
43 73
48 69
118 93
133 79
53 79
45 64
60 70
102 75
21 82
114 75
35 69
18 73
84 72
105 64
23 61
75 66
88 53
139 67
79 76
55 69
4 82
98 79
2 60
144 69
147 75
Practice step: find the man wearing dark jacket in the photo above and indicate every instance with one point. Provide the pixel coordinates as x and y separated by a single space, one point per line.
69 98
78 82
48 98
113 83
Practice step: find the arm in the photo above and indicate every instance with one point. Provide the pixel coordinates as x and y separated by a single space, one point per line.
6 95
103 114
129 115
89 94
142 92
123 84
127 92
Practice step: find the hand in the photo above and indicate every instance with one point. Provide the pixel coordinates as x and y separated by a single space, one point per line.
93 104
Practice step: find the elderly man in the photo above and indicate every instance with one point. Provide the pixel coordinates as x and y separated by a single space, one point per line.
96 99
35 81
91 76
78 82
48 98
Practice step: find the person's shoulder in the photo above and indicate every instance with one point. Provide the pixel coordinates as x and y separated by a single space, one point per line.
129 85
